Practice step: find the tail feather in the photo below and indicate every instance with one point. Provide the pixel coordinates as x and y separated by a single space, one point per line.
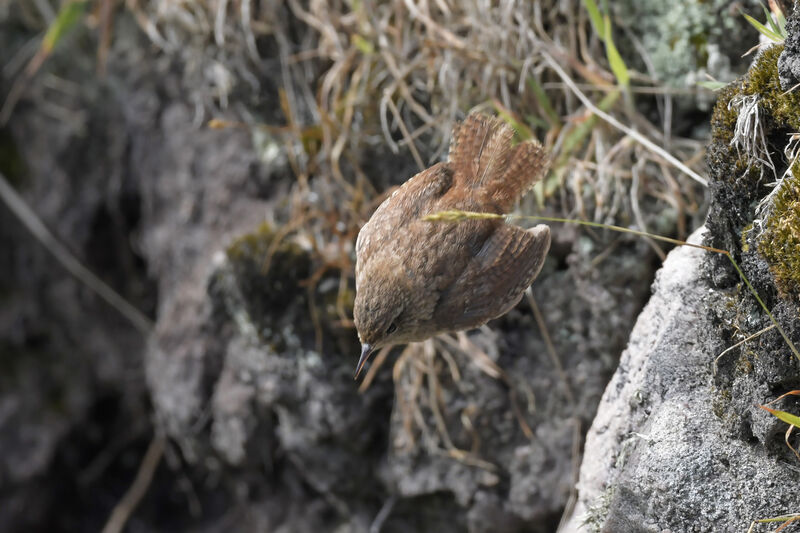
483 159
479 149
528 164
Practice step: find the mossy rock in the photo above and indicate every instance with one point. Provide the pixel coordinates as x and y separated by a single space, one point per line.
738 181
760 227
780 243
282 300
268 274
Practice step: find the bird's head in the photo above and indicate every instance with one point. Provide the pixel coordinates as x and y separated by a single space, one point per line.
380 312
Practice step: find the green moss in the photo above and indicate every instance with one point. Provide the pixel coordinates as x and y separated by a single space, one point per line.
780 243
780 109
723 119
597 511
720 403
739 182
780 114
269 273
763 80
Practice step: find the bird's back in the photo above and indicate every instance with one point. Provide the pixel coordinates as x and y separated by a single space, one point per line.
473 270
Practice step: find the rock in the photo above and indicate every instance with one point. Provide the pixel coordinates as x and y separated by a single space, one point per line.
679 442
789 62
659 455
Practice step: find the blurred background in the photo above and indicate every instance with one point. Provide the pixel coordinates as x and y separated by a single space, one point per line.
183 182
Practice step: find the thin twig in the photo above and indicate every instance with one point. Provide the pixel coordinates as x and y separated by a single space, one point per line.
550 348
34 224
383 514
751 337
411 145
576 471
123 510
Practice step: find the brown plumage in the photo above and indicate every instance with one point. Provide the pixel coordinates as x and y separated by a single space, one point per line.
416 279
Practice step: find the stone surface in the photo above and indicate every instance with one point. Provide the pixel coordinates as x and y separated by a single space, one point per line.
658 455
789 62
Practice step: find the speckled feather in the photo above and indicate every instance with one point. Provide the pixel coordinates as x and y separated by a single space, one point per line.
415 279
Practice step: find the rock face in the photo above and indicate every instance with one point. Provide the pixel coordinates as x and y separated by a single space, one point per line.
789 62
659 456
679 443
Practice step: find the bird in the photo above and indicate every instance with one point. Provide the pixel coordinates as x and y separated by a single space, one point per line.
416 279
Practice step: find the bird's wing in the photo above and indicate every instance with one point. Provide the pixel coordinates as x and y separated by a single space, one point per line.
409 202
496 276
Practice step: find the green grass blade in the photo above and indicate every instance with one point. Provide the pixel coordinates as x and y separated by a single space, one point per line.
784 518
763 29
781 22
537 122
615 60
594 16
544 102
712 85
523 132
775 27
783 416
68 16
575 137
363 45
455 216
763 306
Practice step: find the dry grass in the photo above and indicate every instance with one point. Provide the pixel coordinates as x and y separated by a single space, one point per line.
357 75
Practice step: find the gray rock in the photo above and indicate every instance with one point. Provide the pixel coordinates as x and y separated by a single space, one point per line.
789 61
657 456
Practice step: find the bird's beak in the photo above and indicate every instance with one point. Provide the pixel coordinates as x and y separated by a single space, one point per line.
366 350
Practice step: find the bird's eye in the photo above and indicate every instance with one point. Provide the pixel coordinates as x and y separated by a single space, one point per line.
391 329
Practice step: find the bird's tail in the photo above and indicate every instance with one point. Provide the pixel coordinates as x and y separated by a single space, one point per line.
482 158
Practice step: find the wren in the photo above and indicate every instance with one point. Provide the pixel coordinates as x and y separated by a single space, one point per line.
416 279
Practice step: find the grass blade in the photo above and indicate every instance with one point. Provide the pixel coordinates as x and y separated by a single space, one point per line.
770 20
68 16
615 60
544 102
712 85
763 30
594 16
789 418
456 216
